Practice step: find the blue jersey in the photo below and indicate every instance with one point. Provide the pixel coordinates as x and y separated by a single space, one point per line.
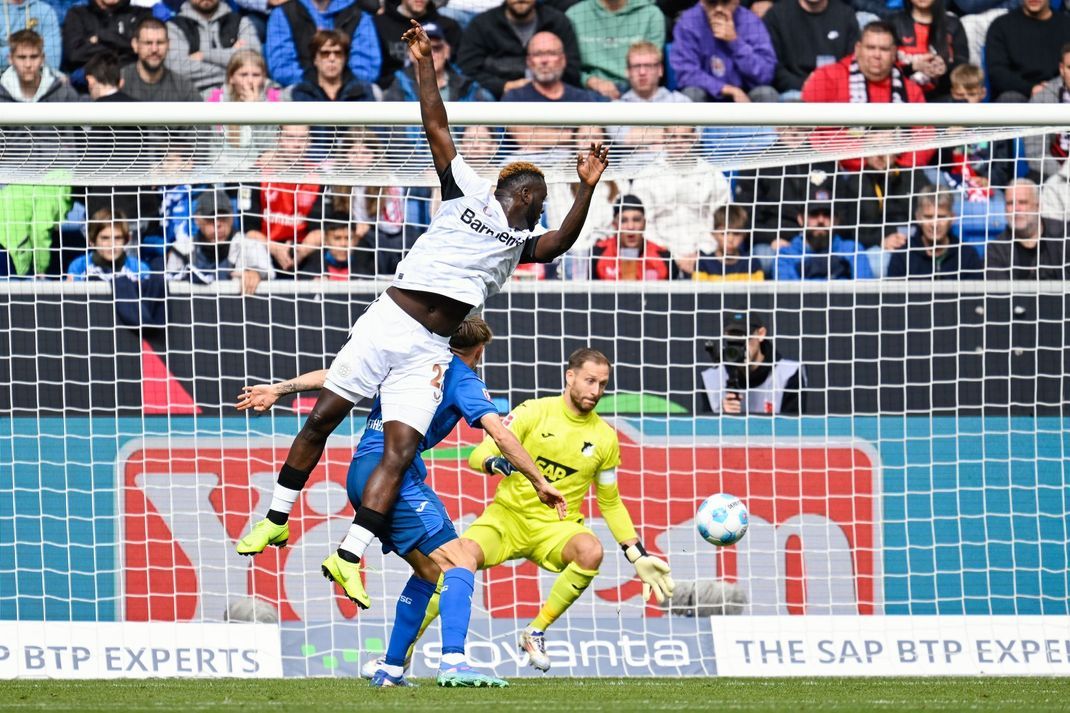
464 395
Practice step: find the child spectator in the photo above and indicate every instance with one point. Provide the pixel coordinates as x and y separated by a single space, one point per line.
108 238
976 172
730 259
343 256
213 254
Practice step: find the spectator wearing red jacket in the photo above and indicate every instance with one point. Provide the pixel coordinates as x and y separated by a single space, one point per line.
626 254
869 75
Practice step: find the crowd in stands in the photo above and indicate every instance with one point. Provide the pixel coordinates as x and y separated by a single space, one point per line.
995 209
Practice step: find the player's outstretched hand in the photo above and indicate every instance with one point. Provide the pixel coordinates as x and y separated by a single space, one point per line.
419 43
258 398
551 498
655 576
590 165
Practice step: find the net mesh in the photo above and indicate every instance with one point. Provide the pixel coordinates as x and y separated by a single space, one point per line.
915 465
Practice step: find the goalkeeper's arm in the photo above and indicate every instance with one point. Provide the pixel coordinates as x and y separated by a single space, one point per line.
263 396
652 571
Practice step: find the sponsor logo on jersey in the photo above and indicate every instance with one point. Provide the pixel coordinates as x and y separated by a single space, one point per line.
553 470
588 449
468 217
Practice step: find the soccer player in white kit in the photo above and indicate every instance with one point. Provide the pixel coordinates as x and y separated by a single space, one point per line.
399 347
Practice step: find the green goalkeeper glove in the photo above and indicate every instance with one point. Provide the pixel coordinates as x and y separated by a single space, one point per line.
499 465
653 572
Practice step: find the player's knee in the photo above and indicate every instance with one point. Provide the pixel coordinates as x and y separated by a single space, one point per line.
453 554
318 426
589 553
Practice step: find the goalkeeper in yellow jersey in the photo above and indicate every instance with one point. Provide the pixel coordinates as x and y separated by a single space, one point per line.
574 448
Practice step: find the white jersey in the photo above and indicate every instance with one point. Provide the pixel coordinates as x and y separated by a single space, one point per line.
469 250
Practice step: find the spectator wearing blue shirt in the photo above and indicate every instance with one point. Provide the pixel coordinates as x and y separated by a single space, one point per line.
730 259
292 25
108 238
546 64
817 253
933 253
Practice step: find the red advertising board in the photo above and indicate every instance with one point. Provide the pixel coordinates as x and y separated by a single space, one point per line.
813 546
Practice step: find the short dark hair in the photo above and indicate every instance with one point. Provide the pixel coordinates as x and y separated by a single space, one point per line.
520 174
104 67
25 37
473 332
322 38
581 356
879 27
336 219
148 23
732 217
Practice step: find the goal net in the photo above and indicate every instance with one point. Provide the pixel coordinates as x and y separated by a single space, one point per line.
900 443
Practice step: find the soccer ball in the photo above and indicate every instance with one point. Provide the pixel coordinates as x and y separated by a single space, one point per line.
722 519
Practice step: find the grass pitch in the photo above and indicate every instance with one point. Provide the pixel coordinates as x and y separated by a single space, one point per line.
546 695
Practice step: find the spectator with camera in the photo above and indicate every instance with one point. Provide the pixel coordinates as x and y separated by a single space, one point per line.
749 376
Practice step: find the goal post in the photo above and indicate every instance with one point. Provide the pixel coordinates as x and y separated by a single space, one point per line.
903 455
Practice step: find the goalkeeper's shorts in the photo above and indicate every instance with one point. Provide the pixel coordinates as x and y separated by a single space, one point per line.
391 354
505 535
418 521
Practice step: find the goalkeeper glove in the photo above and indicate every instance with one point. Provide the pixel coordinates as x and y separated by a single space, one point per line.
499 465
653 572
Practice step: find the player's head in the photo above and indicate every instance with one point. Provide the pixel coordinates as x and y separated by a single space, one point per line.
108 234
470 339
586 378
526 184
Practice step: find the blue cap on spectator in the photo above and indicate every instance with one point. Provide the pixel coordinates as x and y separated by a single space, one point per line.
434 31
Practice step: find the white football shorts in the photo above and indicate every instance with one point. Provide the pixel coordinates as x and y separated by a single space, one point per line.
391 354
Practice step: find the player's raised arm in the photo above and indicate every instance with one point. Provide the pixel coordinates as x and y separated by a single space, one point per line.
519 458
589 167
432 110
263 396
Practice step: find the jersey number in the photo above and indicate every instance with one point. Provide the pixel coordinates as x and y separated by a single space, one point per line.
436 380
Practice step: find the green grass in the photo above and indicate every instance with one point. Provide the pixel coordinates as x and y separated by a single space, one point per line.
550 694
